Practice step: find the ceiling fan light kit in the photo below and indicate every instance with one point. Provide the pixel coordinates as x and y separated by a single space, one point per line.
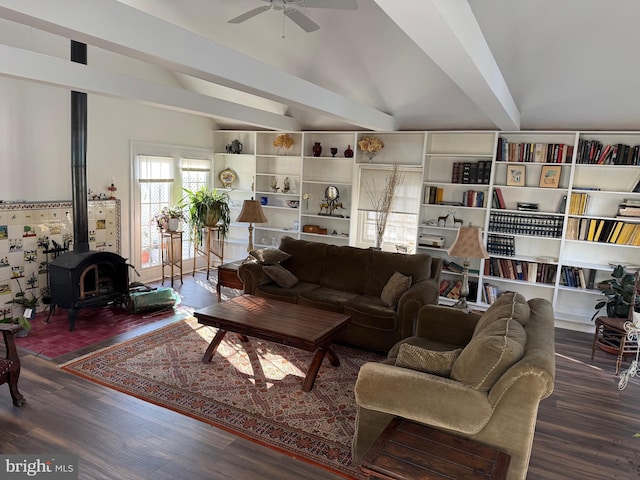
290 10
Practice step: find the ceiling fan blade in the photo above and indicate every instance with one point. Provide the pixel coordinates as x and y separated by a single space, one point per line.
337 4
249 14
301 20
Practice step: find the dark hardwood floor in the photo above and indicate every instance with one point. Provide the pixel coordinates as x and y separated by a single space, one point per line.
584 431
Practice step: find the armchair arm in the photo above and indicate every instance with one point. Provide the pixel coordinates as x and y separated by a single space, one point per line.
422 397
446 325
420 294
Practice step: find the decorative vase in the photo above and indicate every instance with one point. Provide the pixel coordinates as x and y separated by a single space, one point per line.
348 153
173 224
369 156
316 149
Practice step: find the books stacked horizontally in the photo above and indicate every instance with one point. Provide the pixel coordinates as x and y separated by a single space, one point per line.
630 207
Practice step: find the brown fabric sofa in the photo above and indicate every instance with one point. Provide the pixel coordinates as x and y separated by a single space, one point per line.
351 280
505 368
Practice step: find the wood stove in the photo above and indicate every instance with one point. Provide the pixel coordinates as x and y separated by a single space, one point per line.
83 278
88 280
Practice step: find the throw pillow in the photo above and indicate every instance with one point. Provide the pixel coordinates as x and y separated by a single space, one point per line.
283 277
395 287
270 256
428 361
490 354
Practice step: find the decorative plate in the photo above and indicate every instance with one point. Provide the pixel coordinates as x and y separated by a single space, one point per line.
227 177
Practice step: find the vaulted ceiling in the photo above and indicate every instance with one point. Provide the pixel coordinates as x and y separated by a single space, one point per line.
389 65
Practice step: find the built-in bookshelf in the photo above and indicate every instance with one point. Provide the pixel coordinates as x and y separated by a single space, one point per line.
558 209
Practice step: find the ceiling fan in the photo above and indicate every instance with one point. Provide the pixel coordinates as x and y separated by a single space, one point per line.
289 9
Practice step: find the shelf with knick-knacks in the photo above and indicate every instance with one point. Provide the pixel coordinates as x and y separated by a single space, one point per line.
234 142
326 145
388 148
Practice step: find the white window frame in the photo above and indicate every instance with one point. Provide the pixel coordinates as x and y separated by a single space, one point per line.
177 152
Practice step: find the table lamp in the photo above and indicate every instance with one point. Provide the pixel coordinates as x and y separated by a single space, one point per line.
468 244
251 213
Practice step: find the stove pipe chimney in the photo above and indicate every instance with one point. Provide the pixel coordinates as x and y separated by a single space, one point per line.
79 157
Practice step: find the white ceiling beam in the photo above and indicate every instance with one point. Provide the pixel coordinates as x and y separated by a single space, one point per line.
37 67
448 32
113 26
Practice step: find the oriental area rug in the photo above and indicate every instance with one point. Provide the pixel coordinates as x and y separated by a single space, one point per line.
252 389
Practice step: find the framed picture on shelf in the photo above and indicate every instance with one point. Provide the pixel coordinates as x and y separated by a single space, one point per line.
515 175
550 176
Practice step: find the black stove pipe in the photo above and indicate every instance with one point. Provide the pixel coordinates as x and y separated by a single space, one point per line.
79 157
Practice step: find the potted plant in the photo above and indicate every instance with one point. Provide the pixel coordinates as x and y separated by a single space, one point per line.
618 290
168 219
26 309
207 208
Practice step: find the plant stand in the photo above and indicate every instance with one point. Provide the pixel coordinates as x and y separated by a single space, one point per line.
633 335
611 336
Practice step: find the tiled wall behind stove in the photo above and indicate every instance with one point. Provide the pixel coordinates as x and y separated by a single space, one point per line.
28 230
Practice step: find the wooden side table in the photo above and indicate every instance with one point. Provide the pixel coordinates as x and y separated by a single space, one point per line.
611 337
171 247
408 450
228 277
212 248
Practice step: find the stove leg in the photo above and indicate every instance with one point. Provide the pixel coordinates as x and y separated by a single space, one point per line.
52 308
72 314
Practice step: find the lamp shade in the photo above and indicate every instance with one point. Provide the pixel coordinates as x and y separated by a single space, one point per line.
468 244
251 212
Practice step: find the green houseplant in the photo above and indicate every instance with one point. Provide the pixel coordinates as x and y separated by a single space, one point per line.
167 216
207 208
26 302
618 291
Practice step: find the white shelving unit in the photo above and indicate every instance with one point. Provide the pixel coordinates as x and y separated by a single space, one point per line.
433 156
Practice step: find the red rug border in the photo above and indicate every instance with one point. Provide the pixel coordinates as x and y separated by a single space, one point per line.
288 453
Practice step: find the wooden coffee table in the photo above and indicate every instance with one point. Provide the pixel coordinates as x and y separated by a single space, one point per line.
302 327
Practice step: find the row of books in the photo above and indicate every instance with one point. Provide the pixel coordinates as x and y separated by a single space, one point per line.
532 272
576 277
595 152
504 245
490 293
473 198
603 231
526 224
578 203
533 152
471 172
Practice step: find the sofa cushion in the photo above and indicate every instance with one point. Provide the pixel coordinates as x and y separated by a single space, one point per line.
269 256
384 264
283 277
428 361
510 304
346 268
275 292
307 260
395 287
326 299
371 312
421 342
490 353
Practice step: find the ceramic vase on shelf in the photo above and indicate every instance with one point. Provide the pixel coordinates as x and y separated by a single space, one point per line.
316 149
348 153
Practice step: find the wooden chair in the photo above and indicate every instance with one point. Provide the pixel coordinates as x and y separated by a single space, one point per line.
611 336
10 366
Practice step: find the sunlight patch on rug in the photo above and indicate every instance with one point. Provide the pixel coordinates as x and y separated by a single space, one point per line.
253 389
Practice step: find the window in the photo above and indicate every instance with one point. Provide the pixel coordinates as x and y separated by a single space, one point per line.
401 229
160 172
